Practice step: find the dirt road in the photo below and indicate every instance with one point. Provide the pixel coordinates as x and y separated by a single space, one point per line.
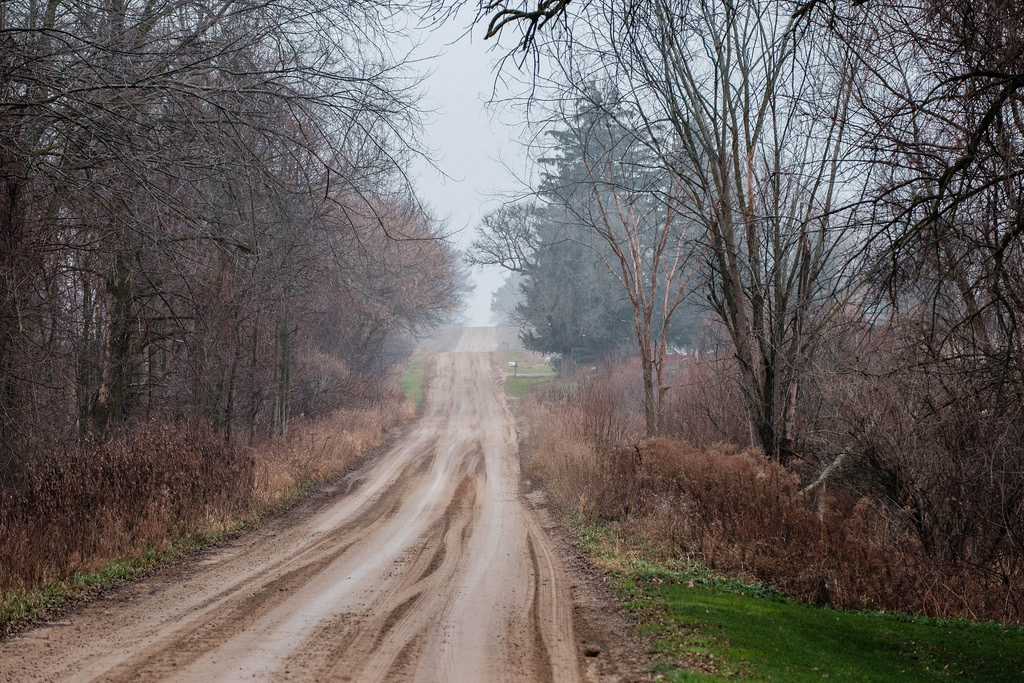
423 565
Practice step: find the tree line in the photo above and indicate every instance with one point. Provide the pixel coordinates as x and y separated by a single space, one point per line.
205 214
812 158
842 183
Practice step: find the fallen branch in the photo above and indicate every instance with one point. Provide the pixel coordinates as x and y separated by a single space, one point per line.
833 466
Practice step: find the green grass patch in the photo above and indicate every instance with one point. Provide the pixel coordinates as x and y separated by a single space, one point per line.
413 378
22 608
517 387
526 375
705 627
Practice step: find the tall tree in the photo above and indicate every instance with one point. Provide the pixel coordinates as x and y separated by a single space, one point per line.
506 299
605 256
569 304
169 172
748 107
630 207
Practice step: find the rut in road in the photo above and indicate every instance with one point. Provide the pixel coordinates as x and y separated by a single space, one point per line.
425 566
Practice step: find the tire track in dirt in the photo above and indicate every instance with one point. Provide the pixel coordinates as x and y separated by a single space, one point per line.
424 566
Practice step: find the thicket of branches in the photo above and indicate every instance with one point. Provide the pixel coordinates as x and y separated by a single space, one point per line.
203 214
851 180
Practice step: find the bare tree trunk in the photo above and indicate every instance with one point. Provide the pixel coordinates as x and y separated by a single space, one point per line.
651 393
254 384
282 397
112 398
86 387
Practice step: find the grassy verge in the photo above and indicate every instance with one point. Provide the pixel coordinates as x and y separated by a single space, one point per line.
21 608
702 627
527 374
517 387
413 379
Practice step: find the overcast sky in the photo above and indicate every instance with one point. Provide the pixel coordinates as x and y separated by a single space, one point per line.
473 144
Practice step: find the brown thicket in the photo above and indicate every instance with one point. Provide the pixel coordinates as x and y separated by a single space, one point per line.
206 235
75 506
923 515
65 509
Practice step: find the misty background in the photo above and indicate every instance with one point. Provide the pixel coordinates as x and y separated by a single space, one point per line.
476 156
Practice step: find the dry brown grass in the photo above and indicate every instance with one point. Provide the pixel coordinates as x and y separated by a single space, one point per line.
738 513
316 450
70 509
79 507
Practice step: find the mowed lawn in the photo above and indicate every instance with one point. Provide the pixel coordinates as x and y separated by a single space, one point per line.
731 633
699 626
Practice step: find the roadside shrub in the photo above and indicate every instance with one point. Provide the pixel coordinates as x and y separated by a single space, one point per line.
76 507
923 529
316 450
704 404
946 453
609 401
323 383
66 509
741 513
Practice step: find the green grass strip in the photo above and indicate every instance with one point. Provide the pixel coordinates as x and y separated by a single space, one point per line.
21 608
707 628
524 367
413 379
517 387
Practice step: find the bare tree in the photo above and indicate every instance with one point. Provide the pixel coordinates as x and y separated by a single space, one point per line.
507 237
169 171
634 207
748 106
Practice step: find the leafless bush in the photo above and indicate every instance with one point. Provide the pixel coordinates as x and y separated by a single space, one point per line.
739 512
74 508
607 417
323 383
704 404
319 449
857 542
64 510
937 438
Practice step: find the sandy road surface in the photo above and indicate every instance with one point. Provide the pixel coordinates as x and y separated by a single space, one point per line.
423 565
